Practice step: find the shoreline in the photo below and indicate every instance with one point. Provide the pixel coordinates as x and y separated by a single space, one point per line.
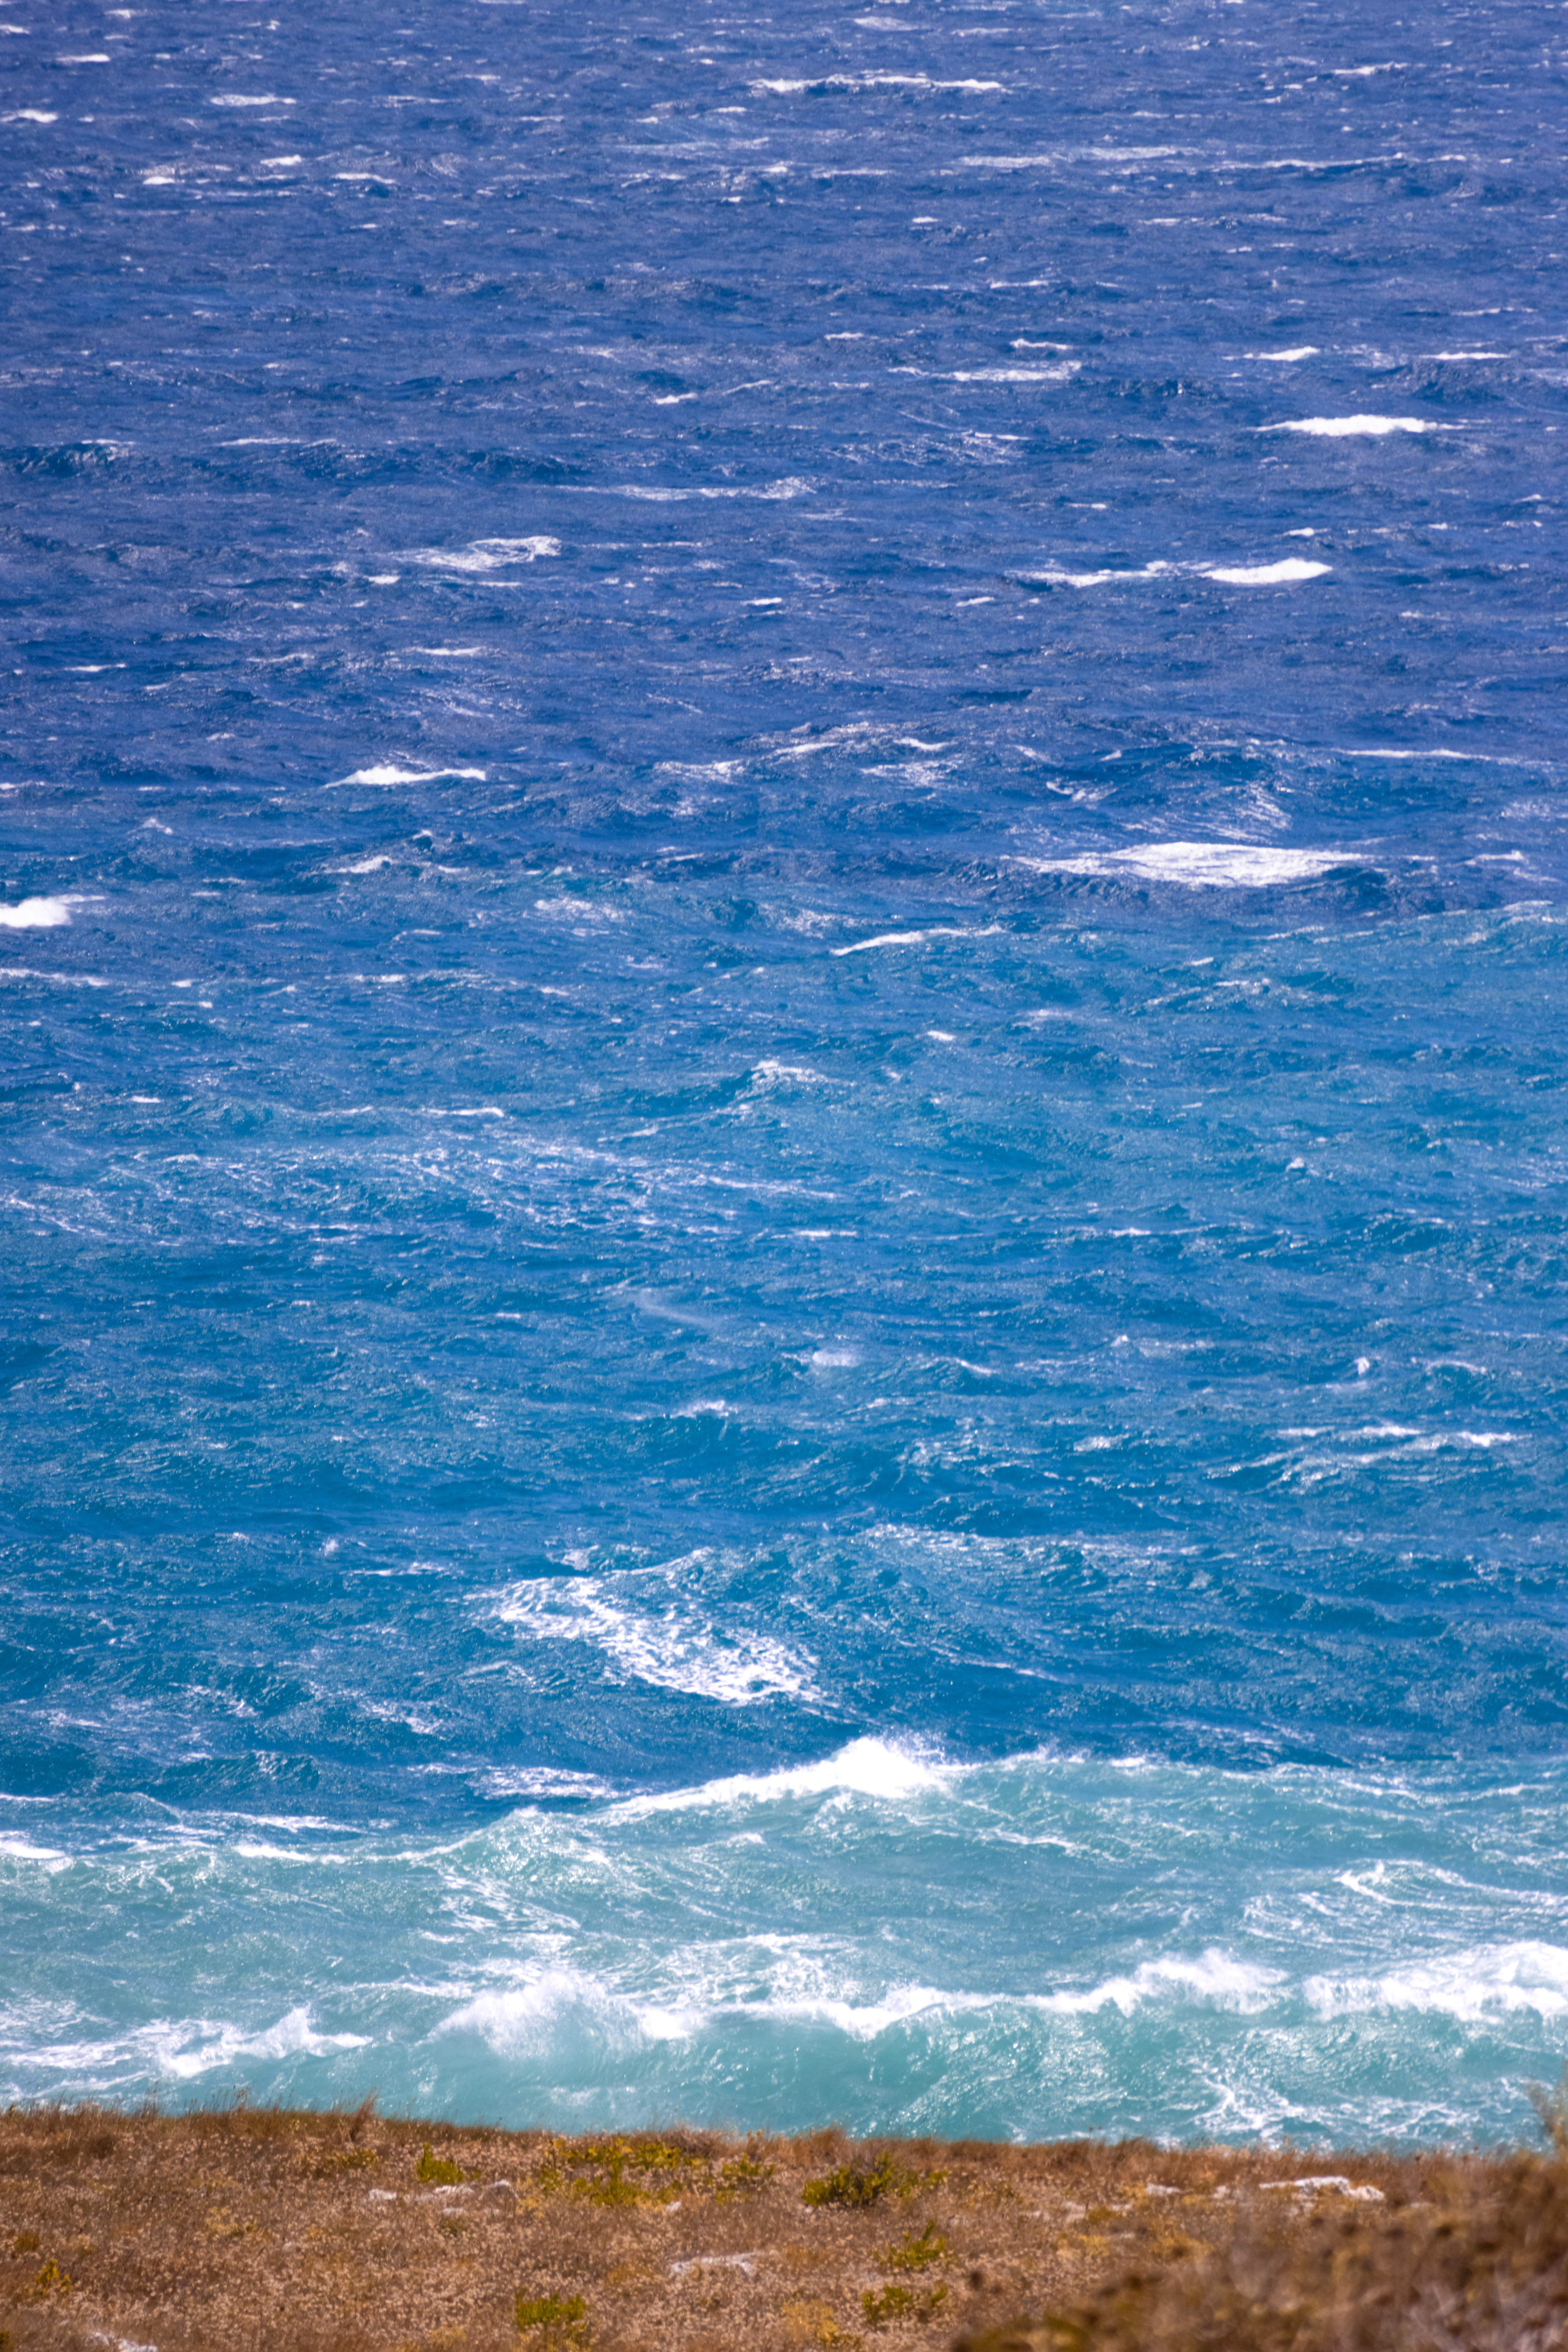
242 2228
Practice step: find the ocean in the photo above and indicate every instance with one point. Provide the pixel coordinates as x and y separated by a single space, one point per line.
781 940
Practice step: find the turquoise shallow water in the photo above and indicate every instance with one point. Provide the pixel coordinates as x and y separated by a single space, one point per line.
782 1160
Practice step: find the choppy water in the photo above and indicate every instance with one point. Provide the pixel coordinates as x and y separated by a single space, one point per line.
785 879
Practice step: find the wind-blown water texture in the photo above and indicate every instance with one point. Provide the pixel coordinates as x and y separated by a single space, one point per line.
784 887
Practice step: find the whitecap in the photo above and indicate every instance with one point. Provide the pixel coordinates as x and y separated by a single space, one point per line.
1340 428
541 1780
1058 374
868 1767
485 555
35 915
1056 155
237 98
771 1074
917 939
1202 865
1215 1975
671 1646
1488 1980
293 2036
15 1847
1267 575
387 774
841 81
580 910
1282 573
524 2021
792 486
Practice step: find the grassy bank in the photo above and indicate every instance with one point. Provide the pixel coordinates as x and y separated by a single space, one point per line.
271 2229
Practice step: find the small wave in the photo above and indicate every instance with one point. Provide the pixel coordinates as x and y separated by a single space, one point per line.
485 555
1267 575
1286 572
35 915
15 1847
1059 373
867 82
541 1780
387 774
1215 1975
1490 1980
672 1647
1202 865
917 939
868 1766
1341 429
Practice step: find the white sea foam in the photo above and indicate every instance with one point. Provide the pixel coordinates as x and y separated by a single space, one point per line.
237 97
1049 157
917 939
541 1780
15 1847
644 1630
868 1766
35 915
1059 373
776 1073
1488 1980
1202 865
1284 572
842 81
1215 1975
1296 352
1267 575
580 910
485 555
293 2036
1340 428
792 487
387 774
165 2048
526 2021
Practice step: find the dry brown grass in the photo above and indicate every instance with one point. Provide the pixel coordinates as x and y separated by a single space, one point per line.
269 2229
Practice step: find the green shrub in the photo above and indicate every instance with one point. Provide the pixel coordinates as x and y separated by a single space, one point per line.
915 2253
438 2170
860 2185
743 2176
560 2321
622 2171
896 2302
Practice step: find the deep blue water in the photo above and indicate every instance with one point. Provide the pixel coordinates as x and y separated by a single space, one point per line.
783 804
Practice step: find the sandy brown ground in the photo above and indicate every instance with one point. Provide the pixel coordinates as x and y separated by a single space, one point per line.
250 2229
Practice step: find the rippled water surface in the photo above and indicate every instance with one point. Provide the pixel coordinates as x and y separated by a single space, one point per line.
783 902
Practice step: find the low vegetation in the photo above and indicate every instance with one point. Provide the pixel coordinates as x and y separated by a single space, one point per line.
271 2229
